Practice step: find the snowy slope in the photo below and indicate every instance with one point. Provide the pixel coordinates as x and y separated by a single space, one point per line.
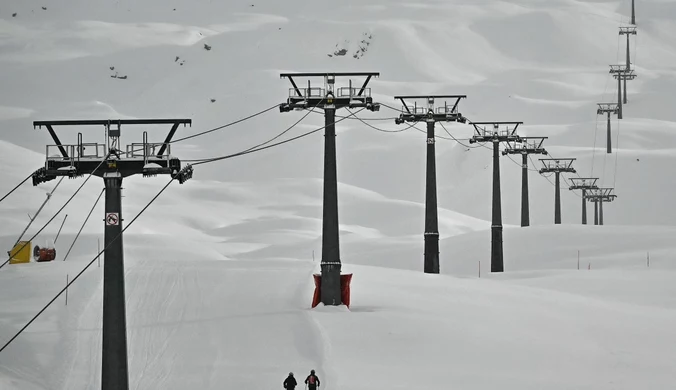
218 269
207 322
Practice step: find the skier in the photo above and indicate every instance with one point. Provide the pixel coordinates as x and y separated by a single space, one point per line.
312 381
290 382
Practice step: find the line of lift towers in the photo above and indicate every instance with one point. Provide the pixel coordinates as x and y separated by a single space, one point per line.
113 163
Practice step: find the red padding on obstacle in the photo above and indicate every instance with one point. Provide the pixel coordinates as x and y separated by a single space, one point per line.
344 289
317 297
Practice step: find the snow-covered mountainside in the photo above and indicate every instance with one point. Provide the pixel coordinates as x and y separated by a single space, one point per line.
218 269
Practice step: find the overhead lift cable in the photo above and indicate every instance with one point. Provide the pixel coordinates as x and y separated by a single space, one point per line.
224 126
61 209
361 119
458 140
260 147
379 129
49 196
283 132
84 223
17 186
217 128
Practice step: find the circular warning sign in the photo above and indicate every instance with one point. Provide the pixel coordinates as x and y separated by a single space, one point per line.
112 219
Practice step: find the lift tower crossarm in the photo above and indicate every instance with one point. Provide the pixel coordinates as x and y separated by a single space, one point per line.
112 164
557 165
132 161
584 184
103 122
329 100
602 192
49 125
431 114
527 145
496 136
302 98
483 135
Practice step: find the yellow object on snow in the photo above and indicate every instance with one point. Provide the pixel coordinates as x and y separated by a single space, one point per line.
20 255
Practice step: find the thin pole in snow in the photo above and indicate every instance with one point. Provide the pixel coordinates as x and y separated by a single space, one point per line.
589 266
59 232
578 259
648 259
66 289
313 256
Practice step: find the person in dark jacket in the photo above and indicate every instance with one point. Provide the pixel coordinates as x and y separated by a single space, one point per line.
312 381
290 382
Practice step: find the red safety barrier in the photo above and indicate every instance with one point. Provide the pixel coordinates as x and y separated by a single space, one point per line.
345 281
345 289
317 297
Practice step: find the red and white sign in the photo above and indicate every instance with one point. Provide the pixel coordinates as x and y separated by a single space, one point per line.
112 219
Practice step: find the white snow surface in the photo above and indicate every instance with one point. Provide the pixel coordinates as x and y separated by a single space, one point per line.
218 270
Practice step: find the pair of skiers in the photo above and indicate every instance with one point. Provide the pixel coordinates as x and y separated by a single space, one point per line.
312 381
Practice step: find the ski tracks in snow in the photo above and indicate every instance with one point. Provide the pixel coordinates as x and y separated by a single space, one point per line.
311 339
203 324
155 305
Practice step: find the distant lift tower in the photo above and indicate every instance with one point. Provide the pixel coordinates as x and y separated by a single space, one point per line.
621 73
584 184
528 145
608 108
112 164
431 115
627 31
329 100
557 166
600 196
496 136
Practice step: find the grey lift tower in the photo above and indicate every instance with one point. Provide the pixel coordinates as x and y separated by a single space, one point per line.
621 73
627 31
600 196
608 108
431 115
86 158
496 136
557 166
584 184
528 145
329 99
633 14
